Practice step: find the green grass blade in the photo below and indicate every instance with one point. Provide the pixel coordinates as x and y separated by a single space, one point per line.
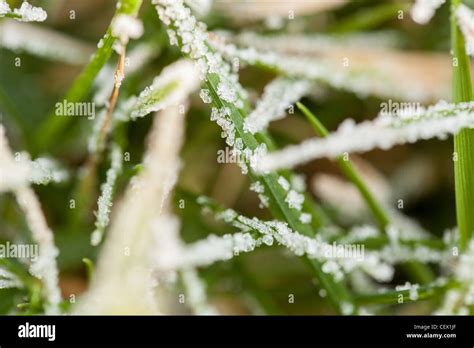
464 141
394 296
79 90
350 172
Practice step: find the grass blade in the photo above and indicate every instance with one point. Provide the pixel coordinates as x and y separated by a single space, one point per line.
464 141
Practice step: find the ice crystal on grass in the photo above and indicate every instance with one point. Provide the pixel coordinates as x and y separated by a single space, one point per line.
9 280
125 263
4 8
384 132
44 267
284 183
295 200
465 17
169 88
254 232
458 301
207 251
206 98
18 172
13 174
26 13
423 10
104 202
277 97
226 92
45 170
125 27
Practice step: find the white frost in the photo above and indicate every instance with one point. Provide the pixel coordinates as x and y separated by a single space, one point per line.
125 27
277 97
386 131
104 202
28 13
423 10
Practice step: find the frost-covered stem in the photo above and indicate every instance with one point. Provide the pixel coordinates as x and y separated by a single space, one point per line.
105 200
464 141
118 77
125 264
88 179
83 83
384 132
45 268
350 172
393 296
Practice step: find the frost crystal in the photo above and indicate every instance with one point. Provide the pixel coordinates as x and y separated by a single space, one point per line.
169 88
277 97
125 27
257 187
284 183
206 98
226 92
9 280
295 200
27 13
104 202
423 10
4 8
267 232
44 170
305 218
386 131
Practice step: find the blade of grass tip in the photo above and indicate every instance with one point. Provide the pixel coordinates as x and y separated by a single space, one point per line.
89 268
464 141
54 125
415 270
